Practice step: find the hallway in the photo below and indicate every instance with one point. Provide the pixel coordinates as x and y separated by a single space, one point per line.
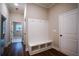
39 30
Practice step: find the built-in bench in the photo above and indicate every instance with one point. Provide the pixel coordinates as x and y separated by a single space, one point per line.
37 47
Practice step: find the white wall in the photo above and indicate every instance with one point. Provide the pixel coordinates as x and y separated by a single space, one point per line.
16 17
5 10
36 12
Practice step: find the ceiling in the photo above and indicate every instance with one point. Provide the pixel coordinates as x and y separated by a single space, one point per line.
46 5
20 8
16 9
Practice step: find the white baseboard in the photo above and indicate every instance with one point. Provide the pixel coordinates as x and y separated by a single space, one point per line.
26 49
58 49
7 44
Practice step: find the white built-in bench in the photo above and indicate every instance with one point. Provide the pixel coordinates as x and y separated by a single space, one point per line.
37 47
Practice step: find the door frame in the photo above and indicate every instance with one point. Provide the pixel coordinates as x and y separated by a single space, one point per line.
12 30
78 29
71 11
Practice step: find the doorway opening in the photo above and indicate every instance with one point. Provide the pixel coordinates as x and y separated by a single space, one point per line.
17 32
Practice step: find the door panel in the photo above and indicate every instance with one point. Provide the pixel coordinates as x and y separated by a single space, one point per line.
68 30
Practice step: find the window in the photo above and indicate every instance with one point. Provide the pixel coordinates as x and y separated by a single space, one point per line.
18 27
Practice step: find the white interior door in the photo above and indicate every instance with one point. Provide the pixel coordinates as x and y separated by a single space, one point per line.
68 32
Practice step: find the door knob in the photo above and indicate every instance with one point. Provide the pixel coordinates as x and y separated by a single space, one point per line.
61 35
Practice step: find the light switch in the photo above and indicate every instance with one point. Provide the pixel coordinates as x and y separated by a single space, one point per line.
54 30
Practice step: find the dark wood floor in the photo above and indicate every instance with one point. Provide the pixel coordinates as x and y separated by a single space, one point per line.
18 49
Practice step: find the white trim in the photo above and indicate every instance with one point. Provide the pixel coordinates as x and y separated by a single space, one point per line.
78 31
26 49
7 44
70 11
58 49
